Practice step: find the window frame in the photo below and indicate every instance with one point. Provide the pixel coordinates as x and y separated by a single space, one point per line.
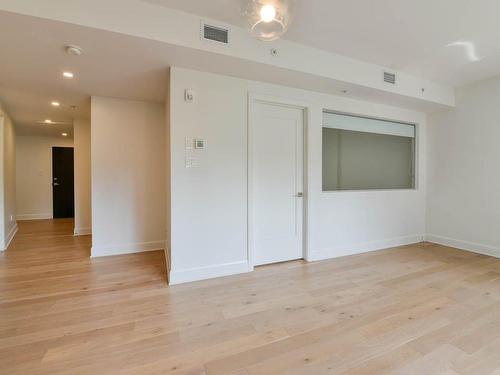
416 153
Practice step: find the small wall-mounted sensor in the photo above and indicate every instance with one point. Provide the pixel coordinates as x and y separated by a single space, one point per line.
199 144
189 96
73 50
274 52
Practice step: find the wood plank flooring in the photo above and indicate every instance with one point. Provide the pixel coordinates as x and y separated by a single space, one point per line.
420 309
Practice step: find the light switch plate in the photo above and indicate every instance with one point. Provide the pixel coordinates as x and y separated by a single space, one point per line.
191 162
189 143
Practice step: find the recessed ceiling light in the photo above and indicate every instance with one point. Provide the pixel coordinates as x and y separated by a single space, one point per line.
64 134
52 122
55 104
68 75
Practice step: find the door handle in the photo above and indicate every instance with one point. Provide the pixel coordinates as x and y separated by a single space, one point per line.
299 195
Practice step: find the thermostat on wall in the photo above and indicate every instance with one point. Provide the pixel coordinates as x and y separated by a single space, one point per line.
199 144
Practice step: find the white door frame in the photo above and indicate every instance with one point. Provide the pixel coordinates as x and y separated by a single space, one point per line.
254 98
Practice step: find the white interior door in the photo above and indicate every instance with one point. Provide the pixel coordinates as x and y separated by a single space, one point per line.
276 183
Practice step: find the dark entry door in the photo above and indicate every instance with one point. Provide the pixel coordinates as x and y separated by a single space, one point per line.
63 182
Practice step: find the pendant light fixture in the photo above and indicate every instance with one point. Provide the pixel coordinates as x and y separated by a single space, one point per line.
269 19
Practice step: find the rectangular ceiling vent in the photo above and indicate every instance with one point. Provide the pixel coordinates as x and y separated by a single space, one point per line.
215 33
390 78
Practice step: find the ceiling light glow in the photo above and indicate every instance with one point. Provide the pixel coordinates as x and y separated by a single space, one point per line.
64 134
470 49
48 121
267 13
55 104
68 75
268 19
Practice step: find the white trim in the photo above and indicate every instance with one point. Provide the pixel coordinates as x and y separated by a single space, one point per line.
365 247
464 245
10 237
119 249
210 272
338 120
418 138
34 216
254 98
82 231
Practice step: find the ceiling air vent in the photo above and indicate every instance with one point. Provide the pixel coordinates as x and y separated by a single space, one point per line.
216 34
390 78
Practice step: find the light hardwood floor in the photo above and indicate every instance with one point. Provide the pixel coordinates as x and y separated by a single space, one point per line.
422 309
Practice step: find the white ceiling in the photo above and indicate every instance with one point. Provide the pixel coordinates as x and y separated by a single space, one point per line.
405 35
114 65
28 108
32 63
410 36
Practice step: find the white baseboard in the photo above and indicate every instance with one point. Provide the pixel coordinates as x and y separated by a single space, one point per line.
464 245
364 247
210 272
82 231
34 216
119 249
10 237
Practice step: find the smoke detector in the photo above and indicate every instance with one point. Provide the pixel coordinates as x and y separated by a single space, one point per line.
73 50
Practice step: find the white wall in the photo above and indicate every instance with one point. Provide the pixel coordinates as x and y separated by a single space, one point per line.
168 237
2 203
208 213
463 181
83 212
34 175
9 180
128 176
8 226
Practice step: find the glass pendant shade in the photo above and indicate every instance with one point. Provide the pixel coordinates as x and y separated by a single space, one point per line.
268 19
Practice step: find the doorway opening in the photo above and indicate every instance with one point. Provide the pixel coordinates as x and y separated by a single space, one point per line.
63 186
